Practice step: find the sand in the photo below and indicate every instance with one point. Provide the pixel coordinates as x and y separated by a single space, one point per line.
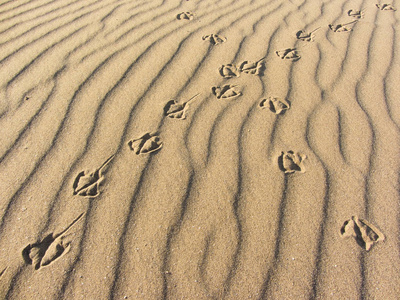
199 149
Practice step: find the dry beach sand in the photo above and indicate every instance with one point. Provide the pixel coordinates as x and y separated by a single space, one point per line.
199 149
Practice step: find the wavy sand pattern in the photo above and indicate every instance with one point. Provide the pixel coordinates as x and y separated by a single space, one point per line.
238 202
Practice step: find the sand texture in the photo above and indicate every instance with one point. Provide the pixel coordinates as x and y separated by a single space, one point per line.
199 149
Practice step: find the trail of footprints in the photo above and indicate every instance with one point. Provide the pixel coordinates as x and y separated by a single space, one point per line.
87 184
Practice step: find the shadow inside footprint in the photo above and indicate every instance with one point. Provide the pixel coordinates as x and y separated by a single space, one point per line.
342 27
290 162
358 14
87 184
289 53
49 249
214 39
276 105
226 91
185 16
364 232
229 71
147 143
385 6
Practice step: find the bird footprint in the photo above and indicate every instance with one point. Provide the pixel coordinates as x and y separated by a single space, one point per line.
229 71
248 67
176 110
358 14
87 184
214 39
342 27
385 7
306 36
252 67
290 162
185 16
147 143
364 232
289 53
226 91
46 251
277 106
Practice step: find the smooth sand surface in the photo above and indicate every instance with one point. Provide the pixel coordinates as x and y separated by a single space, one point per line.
199 149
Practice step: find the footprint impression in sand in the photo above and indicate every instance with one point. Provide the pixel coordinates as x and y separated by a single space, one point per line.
247 67
49 249
306 36
87 184
276 105
176 110
289 53
185 16
214 39
290 162
385 6
147 143
226 91
252 67
364 232
342 27
358 14
229 71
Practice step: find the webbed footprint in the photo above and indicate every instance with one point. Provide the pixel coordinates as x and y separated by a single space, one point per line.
290 162
49 249
214 39
385 6
358 14
364 232
185 16
306 36
252 67
229 71
176 110
226 91
276 105
342 27
289 53
147 143
87 184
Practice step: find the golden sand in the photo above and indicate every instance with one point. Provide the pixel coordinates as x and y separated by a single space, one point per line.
199 149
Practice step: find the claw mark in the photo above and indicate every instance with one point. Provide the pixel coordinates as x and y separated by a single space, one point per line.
46 251
385 7
226 91
290 162
342 27
177 110
185 16
147 143
87 184
229 71
358 14
214 39
364 232
289 53
277 106
306 36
